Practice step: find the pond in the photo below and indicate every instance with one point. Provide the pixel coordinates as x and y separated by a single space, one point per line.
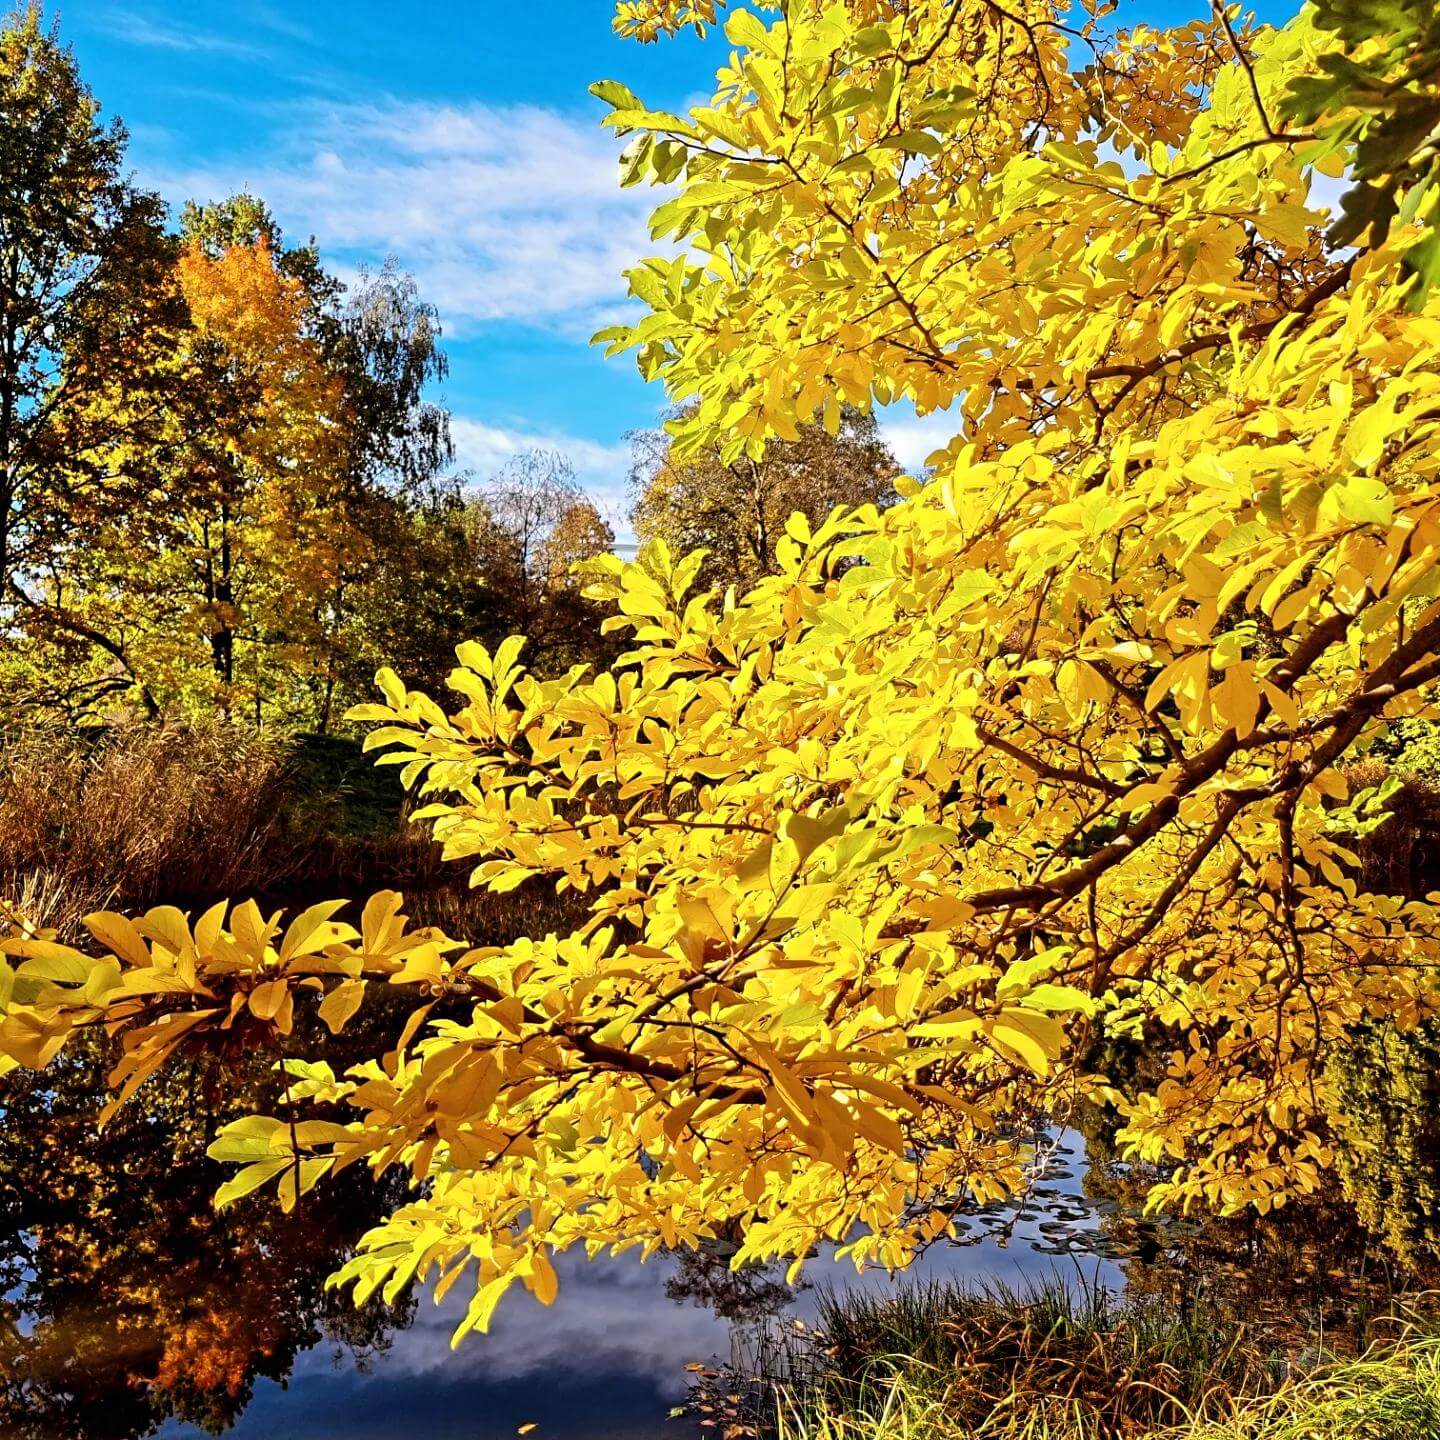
132 1309
606 1361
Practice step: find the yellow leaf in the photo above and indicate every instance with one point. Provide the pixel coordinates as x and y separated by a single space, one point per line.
341 1003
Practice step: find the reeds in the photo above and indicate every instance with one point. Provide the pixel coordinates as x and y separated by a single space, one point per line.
188 812
1390 1393
141 812
1058 1361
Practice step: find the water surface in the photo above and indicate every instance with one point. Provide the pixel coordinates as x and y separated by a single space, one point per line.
606 1361
129 1308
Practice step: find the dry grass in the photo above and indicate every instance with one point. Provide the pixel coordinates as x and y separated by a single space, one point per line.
1390 1393
52 900
1387 1394
187 813
140 813
1063 1360
945 1364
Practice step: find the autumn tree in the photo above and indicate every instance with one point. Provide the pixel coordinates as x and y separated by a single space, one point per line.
128 1300
446 560
736 510
393 483
531 524
261 533
84 304
1054 749
291 461
164 588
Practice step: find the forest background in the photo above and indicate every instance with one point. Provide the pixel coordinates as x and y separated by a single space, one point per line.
231 489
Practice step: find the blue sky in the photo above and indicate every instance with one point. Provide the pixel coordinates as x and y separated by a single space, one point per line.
456 135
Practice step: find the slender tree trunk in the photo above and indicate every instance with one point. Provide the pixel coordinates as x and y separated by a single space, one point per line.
762 529
332 641
8 451
222 588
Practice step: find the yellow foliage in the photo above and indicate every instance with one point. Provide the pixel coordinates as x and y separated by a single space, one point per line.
1048 751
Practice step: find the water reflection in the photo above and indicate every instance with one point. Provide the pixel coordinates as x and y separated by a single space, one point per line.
130 1308
607 1360
1303 1277
126 1299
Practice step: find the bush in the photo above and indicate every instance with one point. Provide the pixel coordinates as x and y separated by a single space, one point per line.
1386 1119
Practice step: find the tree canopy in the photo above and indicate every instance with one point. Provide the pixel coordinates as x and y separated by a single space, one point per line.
736 510
208 445
83 307
1057 749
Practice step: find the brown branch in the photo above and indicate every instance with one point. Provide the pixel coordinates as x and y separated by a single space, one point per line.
1331 285
1058 774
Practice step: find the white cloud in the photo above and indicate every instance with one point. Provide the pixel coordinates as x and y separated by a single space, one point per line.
653 1340
913 438
275 19
503 213
133 28
506 215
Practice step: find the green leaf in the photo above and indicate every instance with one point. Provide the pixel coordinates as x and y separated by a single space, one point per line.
635 160
251 1138
912 142
616 95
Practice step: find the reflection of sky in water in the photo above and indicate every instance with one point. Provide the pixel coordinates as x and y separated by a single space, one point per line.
605 1361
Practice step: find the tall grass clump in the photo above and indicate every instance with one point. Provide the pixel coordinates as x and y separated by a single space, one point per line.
139 813
191 811
1389 1393
1392 1392
942 1359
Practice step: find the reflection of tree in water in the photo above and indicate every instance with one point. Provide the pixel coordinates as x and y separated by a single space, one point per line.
127 1299
743 1297
1304 1275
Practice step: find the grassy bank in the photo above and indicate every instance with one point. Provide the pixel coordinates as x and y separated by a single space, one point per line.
1387 1394
1062 1362
190 812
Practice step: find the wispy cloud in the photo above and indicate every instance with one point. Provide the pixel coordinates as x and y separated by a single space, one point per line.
278 21
504 213
577 1334
132 27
